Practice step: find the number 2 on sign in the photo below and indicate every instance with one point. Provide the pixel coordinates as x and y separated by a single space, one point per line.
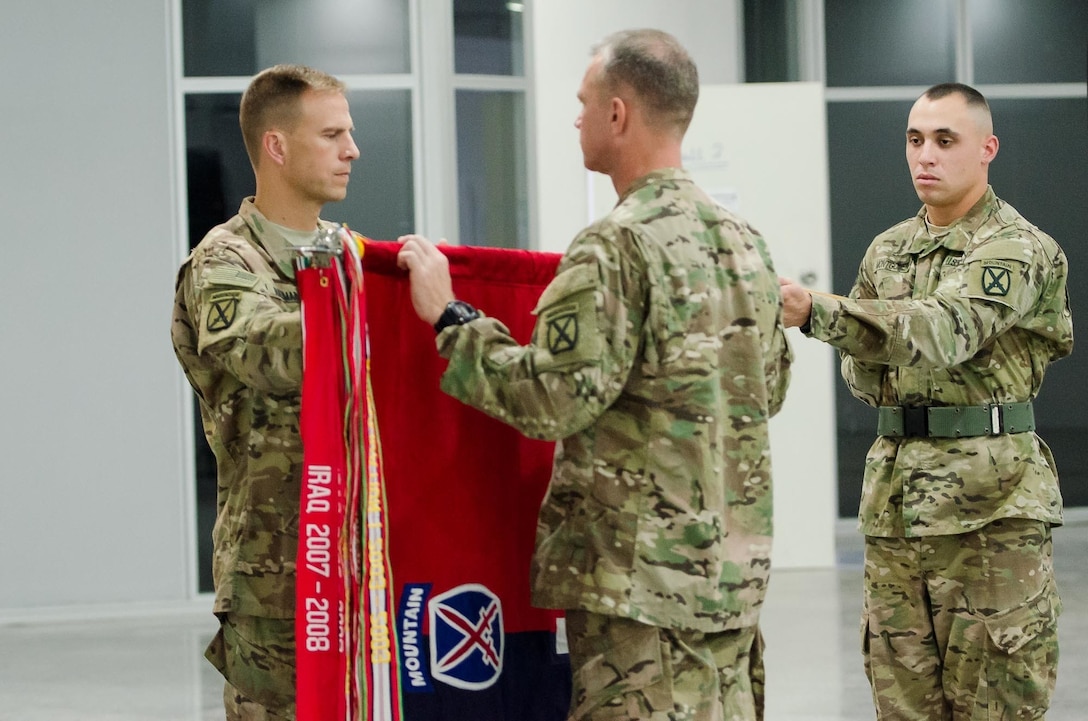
318 545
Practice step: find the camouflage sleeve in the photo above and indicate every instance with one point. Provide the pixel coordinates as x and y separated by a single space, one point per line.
779 358
589 320
243 325
996 287
777 353
864 378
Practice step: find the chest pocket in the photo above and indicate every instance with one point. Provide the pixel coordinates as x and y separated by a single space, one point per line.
567 331
895 278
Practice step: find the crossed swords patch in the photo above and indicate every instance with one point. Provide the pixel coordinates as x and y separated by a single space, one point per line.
562 333
222 311
996 280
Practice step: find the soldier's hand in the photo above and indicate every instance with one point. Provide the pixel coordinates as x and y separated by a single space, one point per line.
796 303
429 275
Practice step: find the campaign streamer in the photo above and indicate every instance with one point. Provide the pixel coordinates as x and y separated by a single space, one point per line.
322 590
343 521
380 669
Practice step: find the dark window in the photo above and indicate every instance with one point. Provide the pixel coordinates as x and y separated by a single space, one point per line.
890 42
487 37
1042 41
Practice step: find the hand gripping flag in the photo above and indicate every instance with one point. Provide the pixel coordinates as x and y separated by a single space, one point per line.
446 498
464 491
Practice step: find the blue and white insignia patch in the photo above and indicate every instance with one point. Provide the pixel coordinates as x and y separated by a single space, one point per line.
467 637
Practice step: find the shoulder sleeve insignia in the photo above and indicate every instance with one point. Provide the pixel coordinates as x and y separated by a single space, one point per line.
222 309
1001 270
562 333
567 320
996 280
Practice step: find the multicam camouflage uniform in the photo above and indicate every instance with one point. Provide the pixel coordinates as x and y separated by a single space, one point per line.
657 359
966 315
237 333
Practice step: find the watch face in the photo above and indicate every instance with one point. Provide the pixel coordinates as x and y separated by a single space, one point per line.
458 312
462 311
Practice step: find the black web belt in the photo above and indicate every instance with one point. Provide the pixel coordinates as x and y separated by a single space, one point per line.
988 419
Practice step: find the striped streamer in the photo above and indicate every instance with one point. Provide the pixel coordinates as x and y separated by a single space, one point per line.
353 646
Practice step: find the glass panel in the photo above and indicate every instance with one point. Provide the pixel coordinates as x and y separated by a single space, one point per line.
381 197
768 38
492 175
871 191
487 37
219 172
1040 171
218 37
219 176
890 42
1043 41
241 37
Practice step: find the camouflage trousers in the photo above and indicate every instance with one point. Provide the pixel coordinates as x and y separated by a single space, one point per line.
241 708
623 669
964 627
257 658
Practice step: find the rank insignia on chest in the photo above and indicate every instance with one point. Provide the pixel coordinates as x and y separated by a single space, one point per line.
222 309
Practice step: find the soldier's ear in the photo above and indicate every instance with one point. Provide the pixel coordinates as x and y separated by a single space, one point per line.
274 145
989 149
618 120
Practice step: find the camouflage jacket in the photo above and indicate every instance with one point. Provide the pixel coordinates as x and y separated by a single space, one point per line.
657 358
971 316
237 333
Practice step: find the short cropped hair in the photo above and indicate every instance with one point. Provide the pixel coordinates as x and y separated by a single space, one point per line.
659 71
972 97
272 100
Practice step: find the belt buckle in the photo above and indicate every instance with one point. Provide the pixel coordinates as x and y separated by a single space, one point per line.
915 421
996 419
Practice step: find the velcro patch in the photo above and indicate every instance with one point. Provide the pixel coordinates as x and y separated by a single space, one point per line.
227 275
996 280
567 319
222 310
562 326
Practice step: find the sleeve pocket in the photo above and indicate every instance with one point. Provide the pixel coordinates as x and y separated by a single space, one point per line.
566 330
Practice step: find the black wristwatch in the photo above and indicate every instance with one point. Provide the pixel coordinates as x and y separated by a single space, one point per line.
457 312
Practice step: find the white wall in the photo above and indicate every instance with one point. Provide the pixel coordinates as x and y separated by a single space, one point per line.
564 31
91 471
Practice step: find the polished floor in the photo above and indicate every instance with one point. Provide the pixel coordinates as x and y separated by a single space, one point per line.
150 668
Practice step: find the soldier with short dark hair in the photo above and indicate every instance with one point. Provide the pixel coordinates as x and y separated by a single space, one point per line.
657 359
955 315
237 333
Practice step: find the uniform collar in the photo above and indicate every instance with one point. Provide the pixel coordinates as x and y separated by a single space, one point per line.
661 175
269 239
959 233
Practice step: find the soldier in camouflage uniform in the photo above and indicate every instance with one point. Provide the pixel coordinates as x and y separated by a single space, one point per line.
238 335
657 359
954 317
